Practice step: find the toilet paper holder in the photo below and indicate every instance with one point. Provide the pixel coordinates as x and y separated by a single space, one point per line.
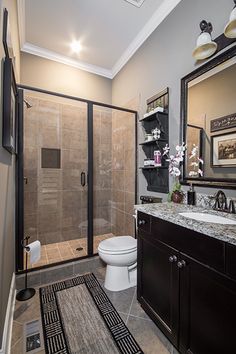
27 241
26 293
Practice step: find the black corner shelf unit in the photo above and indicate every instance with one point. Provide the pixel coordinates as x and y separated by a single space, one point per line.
157 177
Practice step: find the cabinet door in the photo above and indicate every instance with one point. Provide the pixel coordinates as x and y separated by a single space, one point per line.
158 283
207 310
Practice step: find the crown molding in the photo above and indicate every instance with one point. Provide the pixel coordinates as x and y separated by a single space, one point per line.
159 15
48 54
21 21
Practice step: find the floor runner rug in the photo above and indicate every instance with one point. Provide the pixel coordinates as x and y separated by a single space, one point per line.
78 318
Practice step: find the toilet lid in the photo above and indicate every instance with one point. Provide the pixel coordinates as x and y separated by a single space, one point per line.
118 244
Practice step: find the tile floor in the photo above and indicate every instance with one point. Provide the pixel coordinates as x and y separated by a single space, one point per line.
57 252
149 337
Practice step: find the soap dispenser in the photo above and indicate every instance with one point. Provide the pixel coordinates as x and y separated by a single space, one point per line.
191 195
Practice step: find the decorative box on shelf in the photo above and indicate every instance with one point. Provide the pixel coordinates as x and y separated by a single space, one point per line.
153 111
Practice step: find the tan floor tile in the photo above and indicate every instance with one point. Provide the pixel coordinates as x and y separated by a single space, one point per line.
64 249
66 258
18 347
40 264
17 332
63 244
56 252
54 260
73 243
53 253
66 253
80 253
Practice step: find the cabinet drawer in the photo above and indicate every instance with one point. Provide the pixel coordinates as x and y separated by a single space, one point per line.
144 221
203 248
231 260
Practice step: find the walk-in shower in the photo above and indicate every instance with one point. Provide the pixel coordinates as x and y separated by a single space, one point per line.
78 168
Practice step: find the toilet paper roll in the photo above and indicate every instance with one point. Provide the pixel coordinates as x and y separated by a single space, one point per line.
34 249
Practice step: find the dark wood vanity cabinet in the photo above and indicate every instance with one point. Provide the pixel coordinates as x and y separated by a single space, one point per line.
158 284
192 302
207 310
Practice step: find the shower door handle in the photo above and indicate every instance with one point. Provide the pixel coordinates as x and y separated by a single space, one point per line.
82 179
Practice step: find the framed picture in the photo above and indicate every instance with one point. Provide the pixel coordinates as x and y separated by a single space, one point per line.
7 38
6 35
225 122
223 150
9 107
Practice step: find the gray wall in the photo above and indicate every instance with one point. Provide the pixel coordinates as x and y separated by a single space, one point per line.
7 183
164 58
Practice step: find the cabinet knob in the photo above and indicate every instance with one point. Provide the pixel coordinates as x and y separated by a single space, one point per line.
181 264
141 222
172 259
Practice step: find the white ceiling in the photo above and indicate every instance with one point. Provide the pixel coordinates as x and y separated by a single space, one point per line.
110 31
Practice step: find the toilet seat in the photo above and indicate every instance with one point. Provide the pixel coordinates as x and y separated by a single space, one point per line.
118 245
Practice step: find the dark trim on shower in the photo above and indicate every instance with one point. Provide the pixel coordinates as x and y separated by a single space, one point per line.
51 265
90 180
25 87
20 182
136 167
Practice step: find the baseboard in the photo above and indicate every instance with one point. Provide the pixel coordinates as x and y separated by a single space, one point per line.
7 332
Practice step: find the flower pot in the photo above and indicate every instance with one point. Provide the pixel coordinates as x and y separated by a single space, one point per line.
177 197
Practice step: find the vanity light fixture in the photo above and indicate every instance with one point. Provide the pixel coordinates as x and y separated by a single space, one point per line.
230 28
205 46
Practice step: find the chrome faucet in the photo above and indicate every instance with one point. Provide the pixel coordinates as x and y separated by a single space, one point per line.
220 201
231 207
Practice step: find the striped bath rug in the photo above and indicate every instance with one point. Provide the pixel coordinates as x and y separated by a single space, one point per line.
78 318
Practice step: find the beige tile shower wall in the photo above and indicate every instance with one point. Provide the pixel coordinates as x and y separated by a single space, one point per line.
55 201
123 172
102 136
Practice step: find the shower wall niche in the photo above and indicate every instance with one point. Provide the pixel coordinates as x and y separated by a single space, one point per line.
55 170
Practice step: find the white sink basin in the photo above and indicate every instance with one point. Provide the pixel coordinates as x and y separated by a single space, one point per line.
208 218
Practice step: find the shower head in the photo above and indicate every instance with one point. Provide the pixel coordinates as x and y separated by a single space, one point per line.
28 105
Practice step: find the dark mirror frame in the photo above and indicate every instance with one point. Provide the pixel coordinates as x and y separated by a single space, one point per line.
202 181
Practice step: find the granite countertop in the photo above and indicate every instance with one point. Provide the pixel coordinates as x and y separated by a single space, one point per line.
170 212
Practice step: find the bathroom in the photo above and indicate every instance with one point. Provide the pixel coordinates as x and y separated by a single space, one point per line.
82 160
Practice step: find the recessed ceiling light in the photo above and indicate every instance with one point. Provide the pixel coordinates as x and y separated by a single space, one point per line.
76 46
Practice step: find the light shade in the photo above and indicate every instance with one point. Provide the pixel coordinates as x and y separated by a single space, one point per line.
230 28
205 47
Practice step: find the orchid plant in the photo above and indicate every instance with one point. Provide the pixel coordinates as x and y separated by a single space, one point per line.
176 160
175 164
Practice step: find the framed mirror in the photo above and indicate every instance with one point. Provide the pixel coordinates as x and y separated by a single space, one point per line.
208 121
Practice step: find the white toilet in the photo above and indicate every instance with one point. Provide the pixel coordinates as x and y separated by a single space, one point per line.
120 255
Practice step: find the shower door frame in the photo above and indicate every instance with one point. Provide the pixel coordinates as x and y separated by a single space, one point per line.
19 234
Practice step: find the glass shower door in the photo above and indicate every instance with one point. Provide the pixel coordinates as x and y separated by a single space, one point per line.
114 135
55 170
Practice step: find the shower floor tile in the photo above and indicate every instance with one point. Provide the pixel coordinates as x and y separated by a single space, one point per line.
61 251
